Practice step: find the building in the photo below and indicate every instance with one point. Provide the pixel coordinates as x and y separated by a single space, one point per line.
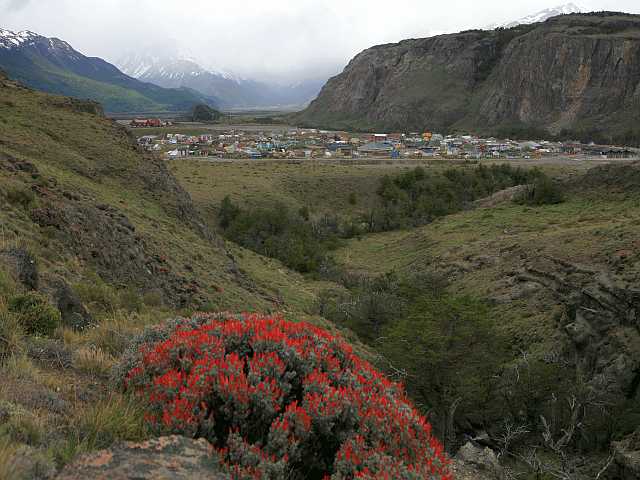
377 148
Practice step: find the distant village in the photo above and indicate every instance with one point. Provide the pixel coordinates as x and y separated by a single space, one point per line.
298 143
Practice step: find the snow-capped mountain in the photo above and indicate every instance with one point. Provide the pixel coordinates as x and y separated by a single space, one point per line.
544 15
172 70
10 40
54 66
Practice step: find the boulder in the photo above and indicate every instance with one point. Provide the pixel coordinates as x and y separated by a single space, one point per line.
627 457
473 462
73 312
165 458
21 265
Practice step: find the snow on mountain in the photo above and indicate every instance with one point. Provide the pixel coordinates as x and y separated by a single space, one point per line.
544 15
9 39
170 68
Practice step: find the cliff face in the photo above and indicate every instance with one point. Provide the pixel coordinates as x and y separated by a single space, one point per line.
574 72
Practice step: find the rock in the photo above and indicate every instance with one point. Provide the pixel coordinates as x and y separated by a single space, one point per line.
548 73
22 266
627 457
475 459
30 464
74 314
166 458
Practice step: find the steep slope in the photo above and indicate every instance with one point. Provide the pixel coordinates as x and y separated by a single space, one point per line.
52 65
79 196
576 72
172 70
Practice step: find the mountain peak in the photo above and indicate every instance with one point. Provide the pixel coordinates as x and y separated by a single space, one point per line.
9 39
543 15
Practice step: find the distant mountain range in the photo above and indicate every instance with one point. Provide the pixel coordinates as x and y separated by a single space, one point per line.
173 70
52 65
542 16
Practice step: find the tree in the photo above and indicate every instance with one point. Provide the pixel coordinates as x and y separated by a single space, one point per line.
441 345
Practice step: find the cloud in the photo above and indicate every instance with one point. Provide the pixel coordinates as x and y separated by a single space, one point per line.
290 39
14 5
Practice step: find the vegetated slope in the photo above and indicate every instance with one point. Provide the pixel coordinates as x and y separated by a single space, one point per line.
97 242
80 195
53 66
575 74
562 282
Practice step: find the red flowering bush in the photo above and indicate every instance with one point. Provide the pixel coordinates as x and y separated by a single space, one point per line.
282 400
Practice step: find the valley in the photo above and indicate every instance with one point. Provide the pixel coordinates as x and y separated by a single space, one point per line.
429 272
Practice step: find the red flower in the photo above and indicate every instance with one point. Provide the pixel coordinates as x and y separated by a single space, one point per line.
276 396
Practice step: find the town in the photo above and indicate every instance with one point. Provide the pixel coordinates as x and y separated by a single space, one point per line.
238 142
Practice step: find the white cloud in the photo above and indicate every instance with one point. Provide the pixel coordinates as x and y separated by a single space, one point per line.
275 38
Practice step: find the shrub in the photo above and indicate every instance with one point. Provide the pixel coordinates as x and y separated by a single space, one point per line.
21 196
282 400
543 191
36 315
95 293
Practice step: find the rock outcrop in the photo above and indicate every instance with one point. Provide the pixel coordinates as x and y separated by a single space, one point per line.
166 458
472 462
574 72
627 457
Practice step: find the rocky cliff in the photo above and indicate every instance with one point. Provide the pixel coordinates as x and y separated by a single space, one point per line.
574 73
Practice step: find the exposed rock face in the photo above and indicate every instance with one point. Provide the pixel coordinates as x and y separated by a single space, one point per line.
166 458
627 456
21 265
570 72
477 463
74 313
602 324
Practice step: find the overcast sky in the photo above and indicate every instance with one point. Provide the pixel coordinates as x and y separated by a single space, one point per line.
292 39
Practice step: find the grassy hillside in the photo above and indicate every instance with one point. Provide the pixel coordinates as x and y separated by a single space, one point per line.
92 227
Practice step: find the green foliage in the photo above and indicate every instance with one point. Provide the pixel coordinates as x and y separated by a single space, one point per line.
20 195
228 212
11 334
204 113
441 344
95 293
418 197
543 191
7 284
34 312
277 232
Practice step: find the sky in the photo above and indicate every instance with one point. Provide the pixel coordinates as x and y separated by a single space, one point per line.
277 40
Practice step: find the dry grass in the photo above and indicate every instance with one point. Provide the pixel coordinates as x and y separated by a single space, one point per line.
93 361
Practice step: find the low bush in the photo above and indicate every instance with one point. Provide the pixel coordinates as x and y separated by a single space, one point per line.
20 195
543 191
282 400
34 312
